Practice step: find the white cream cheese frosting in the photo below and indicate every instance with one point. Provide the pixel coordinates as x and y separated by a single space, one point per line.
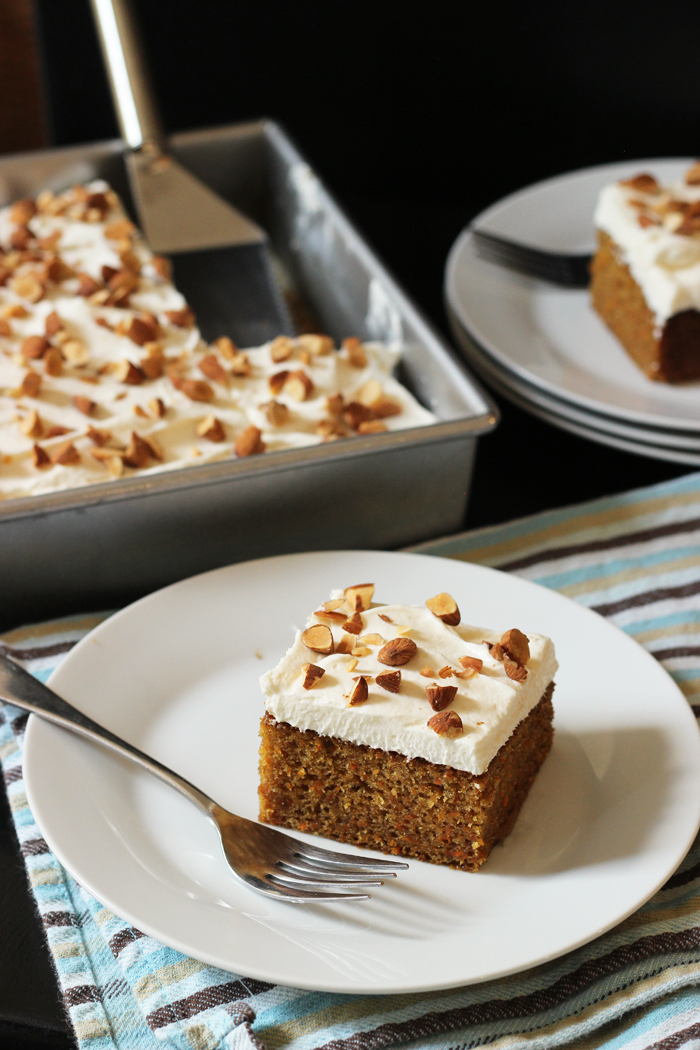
664 263
118 407
489 704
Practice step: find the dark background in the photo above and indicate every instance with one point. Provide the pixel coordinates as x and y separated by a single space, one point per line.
417 117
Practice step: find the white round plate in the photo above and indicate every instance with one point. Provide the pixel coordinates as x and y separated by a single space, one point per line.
551 336
611 814
656 444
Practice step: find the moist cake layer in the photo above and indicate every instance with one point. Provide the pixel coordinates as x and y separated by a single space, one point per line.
490 704
412 808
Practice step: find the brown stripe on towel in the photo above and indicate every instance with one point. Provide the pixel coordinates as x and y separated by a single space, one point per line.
59 918
82 993
680 650
37 652
677 1039
661 594
34 848
624 540
119 941
217 995
522 1006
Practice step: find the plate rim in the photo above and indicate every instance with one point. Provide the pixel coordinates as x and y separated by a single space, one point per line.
455 255
36 725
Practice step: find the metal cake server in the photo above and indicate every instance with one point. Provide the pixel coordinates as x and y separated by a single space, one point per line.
220 257
267 860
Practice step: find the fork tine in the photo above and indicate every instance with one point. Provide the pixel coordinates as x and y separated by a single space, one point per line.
320 875
297 882
332 871
326 856
299 896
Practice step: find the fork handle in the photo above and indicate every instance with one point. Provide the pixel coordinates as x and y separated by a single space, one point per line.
22 689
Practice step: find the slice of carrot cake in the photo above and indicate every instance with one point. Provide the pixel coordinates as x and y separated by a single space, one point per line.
401 729
646 272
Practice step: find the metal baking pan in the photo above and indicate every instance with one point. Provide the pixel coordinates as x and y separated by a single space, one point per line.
105 543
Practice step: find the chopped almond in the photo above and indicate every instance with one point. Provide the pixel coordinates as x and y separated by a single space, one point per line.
440 696
359 693
355 352
298 385
359 597
120 230
389 680
127 372
445 608
34 346
427 672
318 638
138 453
40 457
354 414
516 645
310 674
140 331
354 624
66 454
31 425
157 407
472 663
371 639
397 652
31 384
643 183
346 644
56 431
351 665
361 650
317 345
22 211
75 351
276 382
53 362
325 614
98 437
249 443
240 365
333 603
183 318
84 404
446 672
281 348
514 670
210 367
386 406
447 723
372 426
87 285
196 390
5 328
276 413
212 429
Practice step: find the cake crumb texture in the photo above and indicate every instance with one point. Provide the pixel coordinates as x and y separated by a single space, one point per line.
407 807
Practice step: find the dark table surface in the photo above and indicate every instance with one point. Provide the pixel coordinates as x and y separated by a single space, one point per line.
416 123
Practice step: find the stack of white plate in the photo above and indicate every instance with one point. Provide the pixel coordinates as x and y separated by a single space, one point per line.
544 347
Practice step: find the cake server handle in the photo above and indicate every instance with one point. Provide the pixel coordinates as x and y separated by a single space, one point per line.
128 73
22 689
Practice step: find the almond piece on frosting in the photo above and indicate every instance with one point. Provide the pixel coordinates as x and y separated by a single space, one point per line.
440 696
310 674
389 680
359 693
445 608
447 723
318 638
397 652
359 597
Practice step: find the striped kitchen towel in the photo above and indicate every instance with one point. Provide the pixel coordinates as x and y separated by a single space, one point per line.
635 558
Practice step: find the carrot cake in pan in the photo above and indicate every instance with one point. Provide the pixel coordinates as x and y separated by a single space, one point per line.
403 730
103 372
646 272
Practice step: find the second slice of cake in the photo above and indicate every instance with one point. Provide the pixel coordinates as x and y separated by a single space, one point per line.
401 729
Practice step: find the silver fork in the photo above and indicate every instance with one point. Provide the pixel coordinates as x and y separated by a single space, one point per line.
266 860
571 271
